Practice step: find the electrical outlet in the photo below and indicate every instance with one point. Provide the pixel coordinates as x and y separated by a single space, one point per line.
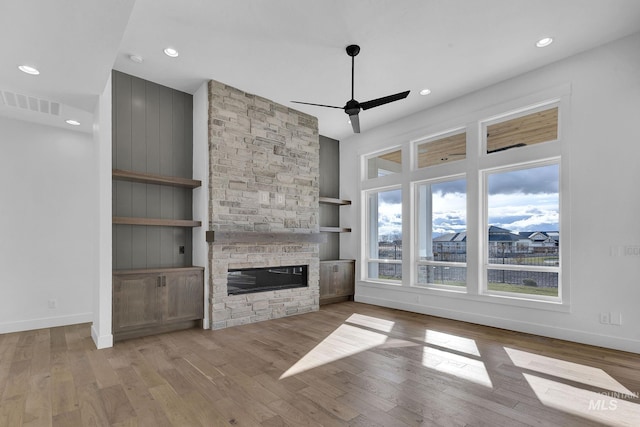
605 318
280 199
53 303
616 318
181 249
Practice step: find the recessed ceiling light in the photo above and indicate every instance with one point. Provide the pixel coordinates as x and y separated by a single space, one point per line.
72 122
425 92
171 52
136 58
544 42
28 69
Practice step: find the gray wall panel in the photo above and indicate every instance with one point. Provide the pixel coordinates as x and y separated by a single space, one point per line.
122 113
166 131
153 128
329 187
178 134
152 133
138 125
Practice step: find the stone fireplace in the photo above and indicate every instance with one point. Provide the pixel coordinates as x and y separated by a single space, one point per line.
264 198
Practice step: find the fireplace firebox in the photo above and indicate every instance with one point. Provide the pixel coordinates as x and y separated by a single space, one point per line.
249 280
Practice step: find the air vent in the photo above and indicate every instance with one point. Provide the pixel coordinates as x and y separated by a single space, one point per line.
30 103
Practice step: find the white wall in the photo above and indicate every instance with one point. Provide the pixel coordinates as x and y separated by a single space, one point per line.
48 246
201 194
102 297
601 151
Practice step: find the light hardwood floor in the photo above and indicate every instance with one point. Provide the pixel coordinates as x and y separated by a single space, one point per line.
348 364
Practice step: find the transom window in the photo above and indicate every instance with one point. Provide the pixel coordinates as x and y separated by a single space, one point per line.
528 129
384 164
443 149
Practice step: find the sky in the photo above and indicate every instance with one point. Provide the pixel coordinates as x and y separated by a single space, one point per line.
522 200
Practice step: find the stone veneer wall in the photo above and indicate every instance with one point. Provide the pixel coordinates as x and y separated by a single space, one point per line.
256 145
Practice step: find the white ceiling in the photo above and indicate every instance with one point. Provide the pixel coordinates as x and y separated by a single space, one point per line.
294 49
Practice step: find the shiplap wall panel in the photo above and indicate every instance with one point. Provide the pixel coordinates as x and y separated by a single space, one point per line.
152 134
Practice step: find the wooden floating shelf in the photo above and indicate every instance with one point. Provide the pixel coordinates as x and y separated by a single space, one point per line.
155 221
149 178
232 237
335 229
332 201
157 270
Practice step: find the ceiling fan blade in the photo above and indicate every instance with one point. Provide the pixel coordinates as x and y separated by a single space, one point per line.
384 100
508 147
318 105
355 123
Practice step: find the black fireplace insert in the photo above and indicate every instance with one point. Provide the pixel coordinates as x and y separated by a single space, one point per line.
249 280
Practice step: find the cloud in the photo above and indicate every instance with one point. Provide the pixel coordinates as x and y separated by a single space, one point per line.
449 187
540 180
390 197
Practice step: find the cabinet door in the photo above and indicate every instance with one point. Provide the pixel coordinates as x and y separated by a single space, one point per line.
184 296
344 278
135 301
327 280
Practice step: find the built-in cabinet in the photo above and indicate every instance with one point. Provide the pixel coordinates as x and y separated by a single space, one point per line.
337 276
152 301
155 286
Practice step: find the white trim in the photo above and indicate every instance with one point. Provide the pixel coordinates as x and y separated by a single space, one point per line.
45 322
101 341
103 289
200 196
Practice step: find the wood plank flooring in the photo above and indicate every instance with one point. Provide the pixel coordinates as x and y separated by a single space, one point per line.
349 364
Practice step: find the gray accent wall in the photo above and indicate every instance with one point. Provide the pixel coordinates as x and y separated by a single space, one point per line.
330 187
152 133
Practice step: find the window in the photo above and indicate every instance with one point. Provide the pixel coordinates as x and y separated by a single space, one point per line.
384 164
522 231
444 149
441 213
384 240
485 217
529 129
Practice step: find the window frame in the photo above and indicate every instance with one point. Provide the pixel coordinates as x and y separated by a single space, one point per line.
367 238
484 246
417 262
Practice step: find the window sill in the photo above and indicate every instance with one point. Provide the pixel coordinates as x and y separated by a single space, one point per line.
482 298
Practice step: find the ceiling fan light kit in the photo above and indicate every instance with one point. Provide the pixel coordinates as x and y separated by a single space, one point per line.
353 107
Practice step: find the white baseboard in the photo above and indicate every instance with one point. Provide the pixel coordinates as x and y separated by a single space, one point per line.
104 341
45 322
599 340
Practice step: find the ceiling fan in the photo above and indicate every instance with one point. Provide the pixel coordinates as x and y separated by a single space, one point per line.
353 107
497 150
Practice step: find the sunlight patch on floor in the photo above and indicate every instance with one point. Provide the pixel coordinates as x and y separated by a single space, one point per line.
594 406
566 370
463 367
371 322
453 342
345 341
